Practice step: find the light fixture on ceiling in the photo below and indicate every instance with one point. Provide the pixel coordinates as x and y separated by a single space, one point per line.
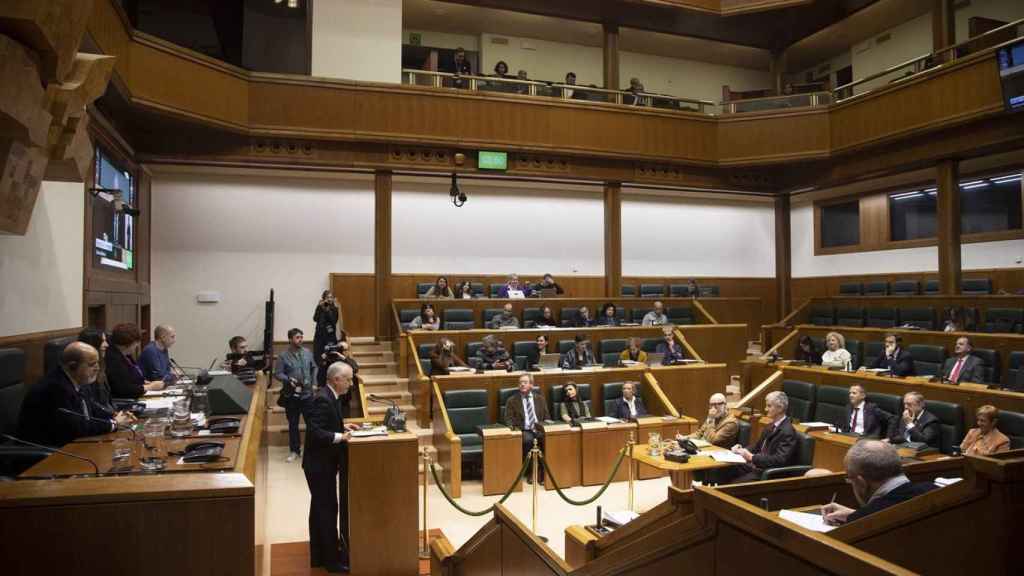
293 3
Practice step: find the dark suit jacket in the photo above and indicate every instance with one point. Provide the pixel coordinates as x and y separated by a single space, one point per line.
621 410
899 494
515 417
124 376
606 321
41 421
927 430
781 442
572 360
875 424
902 365
669 357
579 322
972 371
321 455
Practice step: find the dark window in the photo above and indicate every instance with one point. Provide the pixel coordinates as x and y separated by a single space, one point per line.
840 224
912 214
990 204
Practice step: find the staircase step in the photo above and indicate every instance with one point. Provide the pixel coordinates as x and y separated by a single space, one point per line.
407 409
364 357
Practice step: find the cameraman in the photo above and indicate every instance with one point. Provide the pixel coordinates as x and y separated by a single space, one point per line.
296 371
241 362
340 353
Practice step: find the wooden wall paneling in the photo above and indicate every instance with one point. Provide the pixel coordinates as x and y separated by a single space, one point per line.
874 221
612 238
688 388
753 312
382 252
610 55
33 345
783 256
356 294
948 222
943 24
719 343
404 285
757 138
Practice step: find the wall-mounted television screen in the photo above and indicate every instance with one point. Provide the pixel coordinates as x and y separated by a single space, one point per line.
114 231
1011 74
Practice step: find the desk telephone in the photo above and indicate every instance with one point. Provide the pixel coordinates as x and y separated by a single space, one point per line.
226 425
202 452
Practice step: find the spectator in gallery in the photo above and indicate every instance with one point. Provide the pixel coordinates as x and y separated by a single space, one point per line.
635 89
546 318
464 290
501 69
608 315
440 289
583 318
427 320
548 283
462 65
806 351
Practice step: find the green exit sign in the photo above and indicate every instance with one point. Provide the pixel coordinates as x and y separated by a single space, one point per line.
492 160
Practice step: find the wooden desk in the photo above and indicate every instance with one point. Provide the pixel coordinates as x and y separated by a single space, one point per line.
599 449
830 451
562 453
101 452
382 504
503 459
681 474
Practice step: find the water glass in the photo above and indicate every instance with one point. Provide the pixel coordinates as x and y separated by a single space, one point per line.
153 435
121 457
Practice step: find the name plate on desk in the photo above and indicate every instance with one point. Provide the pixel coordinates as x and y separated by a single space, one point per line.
649 420
557 427
497 431
592 425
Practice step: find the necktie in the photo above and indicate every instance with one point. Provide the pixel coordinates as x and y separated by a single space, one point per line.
85 408
908 429
954 376
764 447
853 420
531 418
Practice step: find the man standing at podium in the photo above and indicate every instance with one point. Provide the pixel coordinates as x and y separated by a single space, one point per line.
325 462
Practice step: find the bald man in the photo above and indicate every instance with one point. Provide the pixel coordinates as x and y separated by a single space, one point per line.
155 359
720 428
41 419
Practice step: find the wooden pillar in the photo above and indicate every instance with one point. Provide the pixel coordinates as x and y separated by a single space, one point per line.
779 71
611 56
612 239
783 256
948 216
382 253
943 24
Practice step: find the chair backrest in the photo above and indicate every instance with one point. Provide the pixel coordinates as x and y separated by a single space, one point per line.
708 290
567 316
472 348
872 350
628 290
1003 320
679 290
931 286
822 316
891 405
976 286
928 359
424 350
904 287
1012 424
881 317
850 316
830 404
494 290
530 316
876 289
52 351
856 354
850 289
637 314
801 399
743 436
457 315
923 318
558 397
489 314
12 388
1015 376
991 364
652 290
425 366
467 409
503 395
523 347
407 315
613 345
423 287
804 450
680 315
610 393
477 289
467 325
951 418
565 345
650 344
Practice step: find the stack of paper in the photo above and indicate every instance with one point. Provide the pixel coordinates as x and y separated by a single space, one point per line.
815 522
726 456
946 481
375 431
608 419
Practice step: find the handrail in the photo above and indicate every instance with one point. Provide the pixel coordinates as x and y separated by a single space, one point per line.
814 99
682 338
398 321
780 343
415 357
704 311
758 390
785 321
838 90
652 383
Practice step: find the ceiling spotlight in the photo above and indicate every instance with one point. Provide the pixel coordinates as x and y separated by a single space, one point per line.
293 3
458 197
278 1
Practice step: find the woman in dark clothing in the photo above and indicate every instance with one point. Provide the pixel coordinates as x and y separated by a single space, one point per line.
326 318
546 318
807 352
443 356
123 372
98 391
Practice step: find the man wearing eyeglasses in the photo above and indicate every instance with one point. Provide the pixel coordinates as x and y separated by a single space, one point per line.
720 428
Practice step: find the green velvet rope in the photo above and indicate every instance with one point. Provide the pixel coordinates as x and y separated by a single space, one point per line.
622 454
489 509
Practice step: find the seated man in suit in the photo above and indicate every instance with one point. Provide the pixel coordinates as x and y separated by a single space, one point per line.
916 424
672 351
534 354
55 412
777 446
493 355
963 367
720 427
583 319
862 417
506 319
874 470
526 411
155 359
896 360
629 406
579 355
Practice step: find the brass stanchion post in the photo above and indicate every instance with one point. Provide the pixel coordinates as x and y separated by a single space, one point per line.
425 550
535 461
629 456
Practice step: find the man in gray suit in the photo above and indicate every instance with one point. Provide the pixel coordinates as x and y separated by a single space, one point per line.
963 367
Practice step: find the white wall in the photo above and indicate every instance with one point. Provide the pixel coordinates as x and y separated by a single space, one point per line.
503 227
981 255
543 60
1005 10
908 41
689 78
681 237
444 40
42 270
242 235
358 40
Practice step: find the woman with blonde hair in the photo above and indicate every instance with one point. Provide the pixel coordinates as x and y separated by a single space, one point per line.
836 355
986 439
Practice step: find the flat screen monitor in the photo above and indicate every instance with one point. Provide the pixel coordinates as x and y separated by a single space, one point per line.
113 231
1011 74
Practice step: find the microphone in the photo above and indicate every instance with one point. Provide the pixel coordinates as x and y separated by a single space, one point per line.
393 418
54 450
94 419
378 399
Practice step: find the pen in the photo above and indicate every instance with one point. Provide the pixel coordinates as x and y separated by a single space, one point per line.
832 502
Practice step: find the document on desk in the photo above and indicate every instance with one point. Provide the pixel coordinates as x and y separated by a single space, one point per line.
726 456
813 522
159 403
608 419
375 431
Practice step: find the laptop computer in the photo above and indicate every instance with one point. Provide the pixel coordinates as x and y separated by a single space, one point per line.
549 361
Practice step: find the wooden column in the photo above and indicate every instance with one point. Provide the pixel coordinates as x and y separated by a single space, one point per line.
611 56
779 71
612 239
783 255
382 252
948 215
943 24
